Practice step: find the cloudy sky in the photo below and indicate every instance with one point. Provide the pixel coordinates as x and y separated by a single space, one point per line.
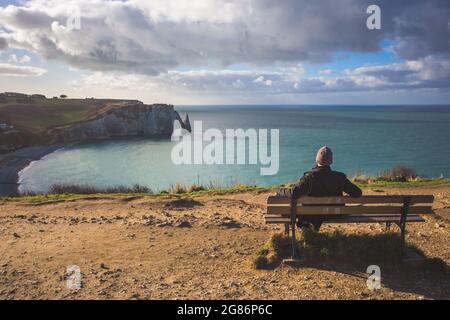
228 51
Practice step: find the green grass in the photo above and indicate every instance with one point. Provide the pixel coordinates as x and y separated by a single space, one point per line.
406 184
181 190
383 247
70 196
47 113
337 248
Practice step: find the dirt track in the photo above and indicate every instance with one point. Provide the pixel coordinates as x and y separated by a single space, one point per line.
161 248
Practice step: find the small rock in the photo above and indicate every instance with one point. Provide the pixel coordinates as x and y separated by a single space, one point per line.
422 235
165 224
439 225
16 235
104 266
364 294
230 223
184 224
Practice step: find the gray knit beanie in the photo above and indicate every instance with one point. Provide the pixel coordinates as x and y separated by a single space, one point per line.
324 157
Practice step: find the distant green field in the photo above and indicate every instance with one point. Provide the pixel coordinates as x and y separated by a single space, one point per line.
47 113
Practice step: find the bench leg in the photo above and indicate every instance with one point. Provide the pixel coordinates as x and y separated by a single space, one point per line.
294 244
293 224
388 226
402 236
402 225
286 229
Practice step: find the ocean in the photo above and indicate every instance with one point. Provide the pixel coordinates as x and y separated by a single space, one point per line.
364 139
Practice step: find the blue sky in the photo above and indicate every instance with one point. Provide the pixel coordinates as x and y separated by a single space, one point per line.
228 52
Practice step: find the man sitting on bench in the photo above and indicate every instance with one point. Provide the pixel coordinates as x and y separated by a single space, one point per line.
321 182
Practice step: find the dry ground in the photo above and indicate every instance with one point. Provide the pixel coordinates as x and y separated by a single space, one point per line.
164 248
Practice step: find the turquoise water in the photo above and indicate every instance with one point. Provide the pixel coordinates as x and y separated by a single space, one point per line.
364 139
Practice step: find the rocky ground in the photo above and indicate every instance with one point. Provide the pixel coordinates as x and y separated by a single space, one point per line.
190 248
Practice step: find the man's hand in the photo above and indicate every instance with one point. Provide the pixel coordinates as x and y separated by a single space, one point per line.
284 192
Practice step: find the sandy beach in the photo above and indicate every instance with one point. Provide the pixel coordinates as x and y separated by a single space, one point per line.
12 163
167 247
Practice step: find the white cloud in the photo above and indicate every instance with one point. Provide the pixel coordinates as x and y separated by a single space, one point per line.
25 59
15 59
143 44
102 80
425 73
261 79
155 36
7 69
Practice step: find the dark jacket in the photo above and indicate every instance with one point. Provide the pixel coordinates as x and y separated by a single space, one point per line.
322 182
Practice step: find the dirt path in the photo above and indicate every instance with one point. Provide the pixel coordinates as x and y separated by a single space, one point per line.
164 248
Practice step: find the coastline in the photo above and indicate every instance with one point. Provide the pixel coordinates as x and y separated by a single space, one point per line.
11 164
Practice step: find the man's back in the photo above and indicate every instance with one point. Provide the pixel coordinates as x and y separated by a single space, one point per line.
322 182
325 182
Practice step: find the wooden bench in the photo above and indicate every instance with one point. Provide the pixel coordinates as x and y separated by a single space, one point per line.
366 209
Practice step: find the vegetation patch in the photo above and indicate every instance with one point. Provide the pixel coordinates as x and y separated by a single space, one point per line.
38 114
89 189
339 249
398 176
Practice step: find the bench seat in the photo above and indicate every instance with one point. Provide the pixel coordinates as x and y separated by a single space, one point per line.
351 218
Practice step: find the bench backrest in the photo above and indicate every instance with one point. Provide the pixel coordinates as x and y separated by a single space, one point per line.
391 205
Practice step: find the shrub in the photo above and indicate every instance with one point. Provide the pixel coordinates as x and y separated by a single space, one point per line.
398 174
89 189
360 179
178 189
196 187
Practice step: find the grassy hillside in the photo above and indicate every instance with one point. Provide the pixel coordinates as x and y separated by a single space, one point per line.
46 113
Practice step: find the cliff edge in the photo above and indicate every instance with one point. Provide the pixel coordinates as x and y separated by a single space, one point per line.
36 120
120 121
